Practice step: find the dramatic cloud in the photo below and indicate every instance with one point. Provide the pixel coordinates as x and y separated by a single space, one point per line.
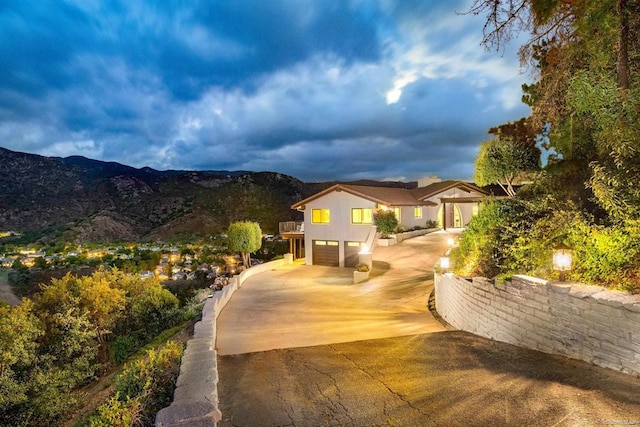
320 90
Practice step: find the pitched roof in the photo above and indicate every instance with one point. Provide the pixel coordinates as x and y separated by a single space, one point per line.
392 196
423 193
387 196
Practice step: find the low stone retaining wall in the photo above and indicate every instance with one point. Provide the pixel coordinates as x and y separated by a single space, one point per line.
582 322
399 237
195 399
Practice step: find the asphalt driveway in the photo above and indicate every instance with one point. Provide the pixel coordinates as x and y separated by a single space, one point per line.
367 355
299 305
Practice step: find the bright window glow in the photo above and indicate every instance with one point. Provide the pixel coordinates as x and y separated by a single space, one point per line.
417 212
361 215
320 216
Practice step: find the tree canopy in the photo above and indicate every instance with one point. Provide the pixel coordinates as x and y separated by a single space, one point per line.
509 158
244 237
584 57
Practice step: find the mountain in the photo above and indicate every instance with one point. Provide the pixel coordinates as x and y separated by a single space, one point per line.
84 200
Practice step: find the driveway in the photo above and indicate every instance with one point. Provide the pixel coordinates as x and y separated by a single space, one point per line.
366 355
299 305
447 379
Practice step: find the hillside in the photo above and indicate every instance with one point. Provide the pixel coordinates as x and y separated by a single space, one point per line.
83 200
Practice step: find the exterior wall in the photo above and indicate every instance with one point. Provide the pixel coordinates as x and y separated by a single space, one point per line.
339 228
407 219
466 209
578 321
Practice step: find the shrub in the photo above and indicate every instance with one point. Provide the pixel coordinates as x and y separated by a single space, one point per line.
143 388
385 221
362 268
117 413
122 347
431 224
606 255
476 253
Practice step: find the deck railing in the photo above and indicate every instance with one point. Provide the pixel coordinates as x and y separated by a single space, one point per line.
291 227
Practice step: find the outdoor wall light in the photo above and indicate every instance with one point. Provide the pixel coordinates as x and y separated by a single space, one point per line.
562 259
445 264
364 249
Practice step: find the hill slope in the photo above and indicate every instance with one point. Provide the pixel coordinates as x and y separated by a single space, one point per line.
80 199
84 200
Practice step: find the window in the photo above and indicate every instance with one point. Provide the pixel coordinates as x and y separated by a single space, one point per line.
417 212
361 215
474 210
396 211
320 216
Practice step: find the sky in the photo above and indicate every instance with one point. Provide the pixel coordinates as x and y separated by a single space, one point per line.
321 90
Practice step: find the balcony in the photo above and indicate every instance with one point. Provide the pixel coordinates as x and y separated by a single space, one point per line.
293 231
291 228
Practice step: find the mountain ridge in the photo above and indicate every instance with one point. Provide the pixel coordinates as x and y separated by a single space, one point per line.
80 200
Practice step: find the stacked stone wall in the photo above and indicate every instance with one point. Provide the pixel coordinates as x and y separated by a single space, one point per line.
583 322
195 399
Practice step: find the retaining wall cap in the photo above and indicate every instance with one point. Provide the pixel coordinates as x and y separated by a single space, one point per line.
202 392
197 376
184 411
205 356
200 344
559 287
632 303
583 291
612 298
530 279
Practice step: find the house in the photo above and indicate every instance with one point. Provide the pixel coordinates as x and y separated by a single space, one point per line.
338 221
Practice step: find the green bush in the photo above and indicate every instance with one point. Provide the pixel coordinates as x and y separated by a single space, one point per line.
122 347
431 224
117 413
152 379
606 255
477 253
385 221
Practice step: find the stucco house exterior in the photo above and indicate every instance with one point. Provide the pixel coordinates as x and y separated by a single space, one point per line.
338 221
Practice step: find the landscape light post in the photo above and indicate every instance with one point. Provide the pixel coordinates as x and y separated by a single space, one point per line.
444 264
562 259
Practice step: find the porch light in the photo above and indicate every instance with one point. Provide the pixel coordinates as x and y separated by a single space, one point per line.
562 259
444 263
364 249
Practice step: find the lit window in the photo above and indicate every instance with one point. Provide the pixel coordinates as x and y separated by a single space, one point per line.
361 215
396 211
320 216
474 210
417 212
332 243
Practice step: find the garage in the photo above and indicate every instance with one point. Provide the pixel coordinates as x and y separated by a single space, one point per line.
326 252
351 250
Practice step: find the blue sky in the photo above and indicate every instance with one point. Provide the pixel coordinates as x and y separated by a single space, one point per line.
321 90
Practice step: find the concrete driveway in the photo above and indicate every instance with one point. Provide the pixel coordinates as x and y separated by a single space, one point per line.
374 362
300 306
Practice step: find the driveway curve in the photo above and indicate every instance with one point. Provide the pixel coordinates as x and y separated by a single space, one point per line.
301 306
368 359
